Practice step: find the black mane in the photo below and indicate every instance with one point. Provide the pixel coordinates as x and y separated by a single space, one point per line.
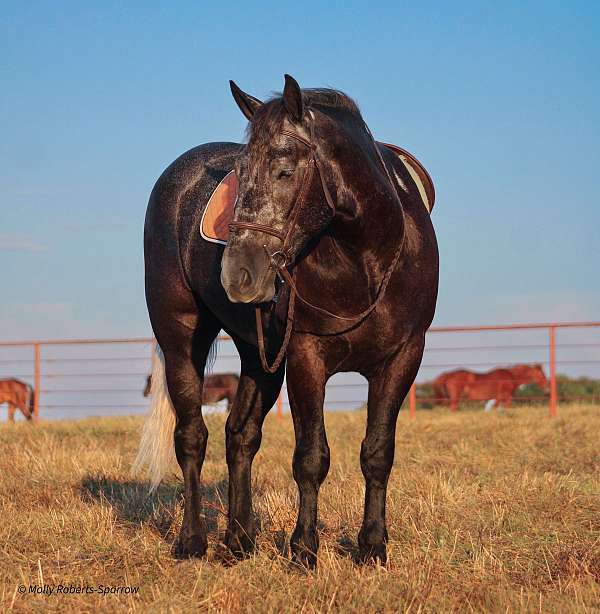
269 117
329 98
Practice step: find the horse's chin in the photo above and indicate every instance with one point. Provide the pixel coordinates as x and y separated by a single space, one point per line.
254 298
243 284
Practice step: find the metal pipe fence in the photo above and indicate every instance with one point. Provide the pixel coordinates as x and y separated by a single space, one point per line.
572 347
80 377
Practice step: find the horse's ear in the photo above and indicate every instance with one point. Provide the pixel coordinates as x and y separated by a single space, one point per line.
292 99
247 104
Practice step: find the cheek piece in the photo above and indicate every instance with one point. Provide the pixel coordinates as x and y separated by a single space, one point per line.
281 259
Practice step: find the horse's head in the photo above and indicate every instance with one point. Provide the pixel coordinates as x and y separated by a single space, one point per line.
538 377
531 374
283 201
28 408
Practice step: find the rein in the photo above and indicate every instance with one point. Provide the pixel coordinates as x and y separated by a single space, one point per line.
281 259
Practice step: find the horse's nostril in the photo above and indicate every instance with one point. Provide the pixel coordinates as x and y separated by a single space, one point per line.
245 279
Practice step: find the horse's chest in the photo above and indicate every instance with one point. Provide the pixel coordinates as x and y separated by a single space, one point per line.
364 347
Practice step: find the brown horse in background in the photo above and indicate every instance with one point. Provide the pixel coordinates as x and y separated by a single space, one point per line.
217 386
17 395
498 384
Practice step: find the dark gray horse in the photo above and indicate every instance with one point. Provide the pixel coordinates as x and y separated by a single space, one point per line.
335 227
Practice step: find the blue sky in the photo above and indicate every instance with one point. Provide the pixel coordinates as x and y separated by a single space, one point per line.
501 101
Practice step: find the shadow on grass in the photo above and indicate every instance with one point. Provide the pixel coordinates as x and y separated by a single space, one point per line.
162 510
133 502
348 548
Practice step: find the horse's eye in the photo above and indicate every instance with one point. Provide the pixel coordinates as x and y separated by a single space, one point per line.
288 172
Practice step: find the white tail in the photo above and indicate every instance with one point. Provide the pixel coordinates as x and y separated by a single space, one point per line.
157 450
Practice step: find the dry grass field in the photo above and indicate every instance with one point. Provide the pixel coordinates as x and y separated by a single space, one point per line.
486 513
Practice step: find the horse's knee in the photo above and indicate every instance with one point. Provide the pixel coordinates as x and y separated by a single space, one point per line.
191 436
311 461
242 444
376 459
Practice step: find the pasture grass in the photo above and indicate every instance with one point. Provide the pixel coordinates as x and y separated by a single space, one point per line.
486 512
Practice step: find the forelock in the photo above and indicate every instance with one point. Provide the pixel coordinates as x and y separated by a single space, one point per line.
269 117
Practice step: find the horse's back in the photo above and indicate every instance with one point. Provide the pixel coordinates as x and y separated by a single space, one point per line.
490 385
183 189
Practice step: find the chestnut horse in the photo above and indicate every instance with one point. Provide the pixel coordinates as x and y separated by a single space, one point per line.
217 386
498 384
331 261
17 395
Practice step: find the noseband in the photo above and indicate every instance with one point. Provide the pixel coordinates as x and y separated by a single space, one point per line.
281 258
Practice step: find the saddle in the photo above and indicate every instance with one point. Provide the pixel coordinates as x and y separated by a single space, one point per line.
214 226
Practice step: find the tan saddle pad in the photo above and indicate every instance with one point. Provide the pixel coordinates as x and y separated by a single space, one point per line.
419 174
214 226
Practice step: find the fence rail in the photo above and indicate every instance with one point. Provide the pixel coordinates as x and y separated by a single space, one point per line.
62 369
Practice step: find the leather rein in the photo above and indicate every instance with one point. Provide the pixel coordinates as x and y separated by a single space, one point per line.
281 259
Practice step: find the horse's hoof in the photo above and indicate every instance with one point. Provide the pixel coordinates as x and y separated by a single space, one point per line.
372 551
193 546
304 551
239 544
304 558
376 554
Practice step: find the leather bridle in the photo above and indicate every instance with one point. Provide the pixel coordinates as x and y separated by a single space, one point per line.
281 258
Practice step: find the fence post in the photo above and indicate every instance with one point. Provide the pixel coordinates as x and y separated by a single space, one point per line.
553 395
280 406
36 382
412 400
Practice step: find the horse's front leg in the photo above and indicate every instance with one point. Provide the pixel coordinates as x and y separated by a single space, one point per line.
256 394
387 389
454 393
306 380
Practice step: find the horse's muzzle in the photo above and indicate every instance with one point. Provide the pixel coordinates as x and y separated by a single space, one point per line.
247 279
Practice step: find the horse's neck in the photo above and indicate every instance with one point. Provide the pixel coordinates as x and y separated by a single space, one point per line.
371 236
356 251
527 378
522 376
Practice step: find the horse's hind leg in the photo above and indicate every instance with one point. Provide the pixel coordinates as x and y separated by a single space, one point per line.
185 352
387 389
256 394
11 412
